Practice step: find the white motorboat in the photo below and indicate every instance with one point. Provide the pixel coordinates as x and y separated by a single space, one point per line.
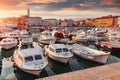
110 44
80 36
8 43
26 38
88 53
46 37
113 35
58 52
30 58
13 34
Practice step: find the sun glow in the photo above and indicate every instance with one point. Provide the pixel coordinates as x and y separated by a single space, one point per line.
3 14
11 13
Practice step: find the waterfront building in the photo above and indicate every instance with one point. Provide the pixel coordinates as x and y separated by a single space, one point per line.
81 22
105 21
34 21
89 22
45 23
118 21
63 23
52 22
67 22
76 23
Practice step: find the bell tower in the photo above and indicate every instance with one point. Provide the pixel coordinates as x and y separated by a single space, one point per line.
28 12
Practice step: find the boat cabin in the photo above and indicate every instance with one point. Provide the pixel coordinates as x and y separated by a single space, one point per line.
46 33
25 46
27 58
58 48
8 41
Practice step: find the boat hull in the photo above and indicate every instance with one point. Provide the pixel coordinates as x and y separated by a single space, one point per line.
9 46
82 39
47 41
60 59
99 59
33 72
64 40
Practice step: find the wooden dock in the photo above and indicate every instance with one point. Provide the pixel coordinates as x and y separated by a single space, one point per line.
105 72
7 72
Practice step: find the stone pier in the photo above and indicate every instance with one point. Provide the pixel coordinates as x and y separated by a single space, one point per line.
105 72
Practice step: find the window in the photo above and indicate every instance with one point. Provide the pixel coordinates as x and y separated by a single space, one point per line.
46 34
50 34
65 50
51 49
24 46
38 57
28 59
4 41
58 50
11 34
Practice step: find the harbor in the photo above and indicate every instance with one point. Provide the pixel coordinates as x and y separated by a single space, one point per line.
59 39
29 58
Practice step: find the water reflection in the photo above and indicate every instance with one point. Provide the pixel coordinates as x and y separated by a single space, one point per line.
58 67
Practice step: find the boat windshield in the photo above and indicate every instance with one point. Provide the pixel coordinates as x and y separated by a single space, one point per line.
38 57
46 34
50 34
28 58
24 46
65 50
92 47
58 50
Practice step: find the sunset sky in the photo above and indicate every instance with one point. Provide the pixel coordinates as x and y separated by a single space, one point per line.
60 8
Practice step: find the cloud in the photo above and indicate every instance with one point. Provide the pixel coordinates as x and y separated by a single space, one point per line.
51 6
47 1
110 2
87 4
12 4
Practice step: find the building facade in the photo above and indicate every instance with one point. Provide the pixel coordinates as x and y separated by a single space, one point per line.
105 21
52 22
118 21
34 21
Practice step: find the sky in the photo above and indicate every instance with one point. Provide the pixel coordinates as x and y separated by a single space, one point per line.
60 9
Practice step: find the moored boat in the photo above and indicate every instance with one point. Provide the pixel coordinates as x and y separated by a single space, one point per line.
88 53
58 52
46 37
8 43
30 58
25 37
